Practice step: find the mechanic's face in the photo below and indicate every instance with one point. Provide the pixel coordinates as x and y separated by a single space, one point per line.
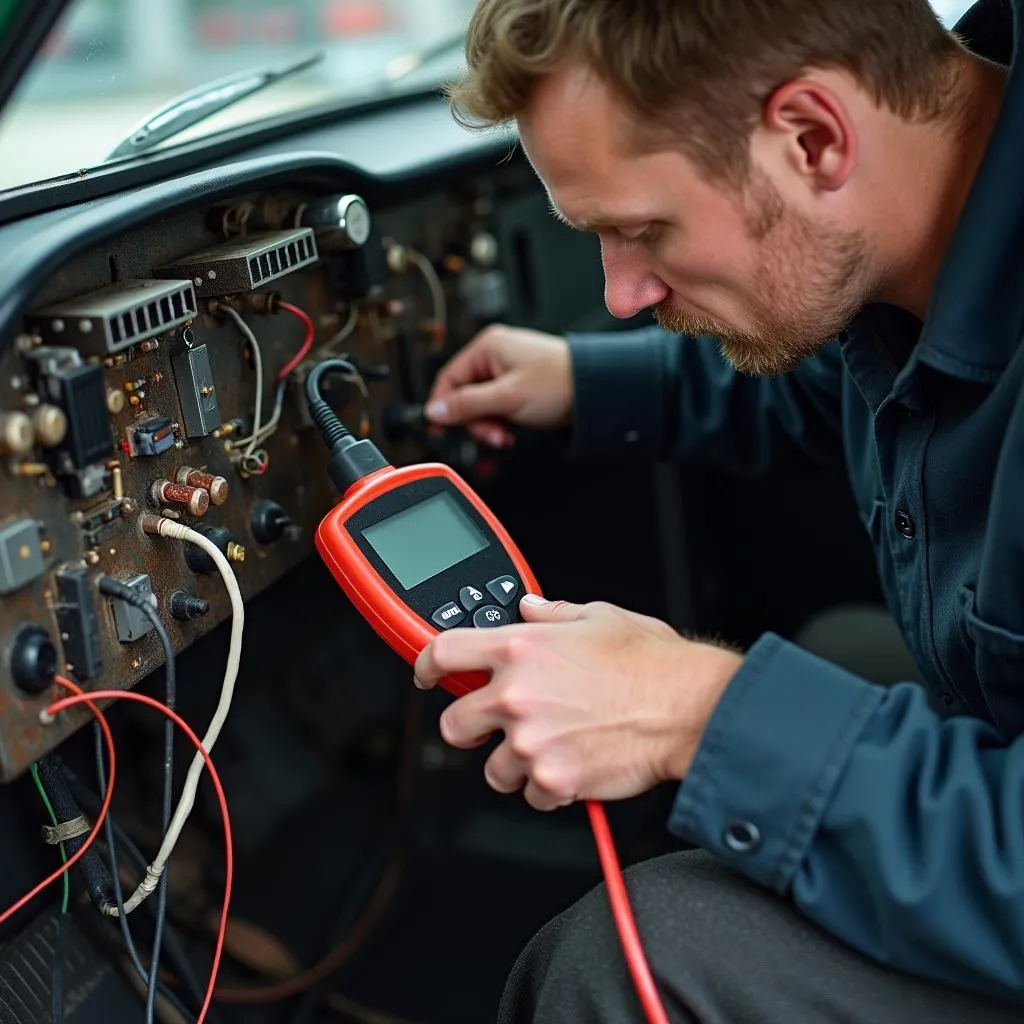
771 283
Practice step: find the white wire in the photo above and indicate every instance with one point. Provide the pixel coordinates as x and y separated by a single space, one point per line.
350 326
177 531
426 268
249 443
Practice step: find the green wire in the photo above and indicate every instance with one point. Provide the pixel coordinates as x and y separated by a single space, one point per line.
56 824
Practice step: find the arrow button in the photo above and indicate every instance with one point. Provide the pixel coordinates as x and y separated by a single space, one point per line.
504 589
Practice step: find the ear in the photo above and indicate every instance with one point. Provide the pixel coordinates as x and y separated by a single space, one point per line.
818 137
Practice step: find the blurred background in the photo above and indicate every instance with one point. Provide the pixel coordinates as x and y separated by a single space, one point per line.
110 63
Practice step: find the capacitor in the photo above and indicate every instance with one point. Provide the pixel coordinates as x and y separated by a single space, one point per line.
340 222
115 401
51 425
216 485
16 433
116 479
195 499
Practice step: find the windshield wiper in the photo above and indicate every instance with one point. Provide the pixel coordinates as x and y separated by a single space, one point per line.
204 101
402 67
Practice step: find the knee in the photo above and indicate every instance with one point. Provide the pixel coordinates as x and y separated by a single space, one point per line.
574 969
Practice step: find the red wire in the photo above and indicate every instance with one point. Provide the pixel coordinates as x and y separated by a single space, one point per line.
229 859
624 922
98 824
307 344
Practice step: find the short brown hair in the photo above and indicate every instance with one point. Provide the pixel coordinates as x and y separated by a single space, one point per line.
704 67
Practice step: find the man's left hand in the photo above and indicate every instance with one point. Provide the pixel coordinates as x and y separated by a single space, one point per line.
595 703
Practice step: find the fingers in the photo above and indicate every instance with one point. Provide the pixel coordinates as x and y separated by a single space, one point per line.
536 609
461 650
504 772
468 402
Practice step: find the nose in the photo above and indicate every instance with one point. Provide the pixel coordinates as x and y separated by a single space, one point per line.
629 284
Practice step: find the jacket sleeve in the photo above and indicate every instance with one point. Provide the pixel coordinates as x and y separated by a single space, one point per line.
667 396
898 832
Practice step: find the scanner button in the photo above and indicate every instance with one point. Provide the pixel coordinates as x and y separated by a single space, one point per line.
448 615
504 589
490 616
470 598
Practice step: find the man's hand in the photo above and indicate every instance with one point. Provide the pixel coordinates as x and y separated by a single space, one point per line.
596 703
504 375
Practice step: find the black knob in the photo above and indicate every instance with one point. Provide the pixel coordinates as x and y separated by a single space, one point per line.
268 522
186 607
402 420
198 560
33 660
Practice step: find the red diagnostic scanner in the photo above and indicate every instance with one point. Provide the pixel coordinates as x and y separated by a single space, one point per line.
418 552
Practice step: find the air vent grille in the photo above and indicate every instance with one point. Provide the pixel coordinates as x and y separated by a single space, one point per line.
118 316
244 264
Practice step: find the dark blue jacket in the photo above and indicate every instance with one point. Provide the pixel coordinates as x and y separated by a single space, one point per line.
899 831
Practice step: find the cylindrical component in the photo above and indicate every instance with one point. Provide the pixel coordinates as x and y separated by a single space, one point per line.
340 222
195 499
51 425
186 607
115 401
15 433
30 469
33 659
268 521
116 480
216 485
235 552
151 523
199 560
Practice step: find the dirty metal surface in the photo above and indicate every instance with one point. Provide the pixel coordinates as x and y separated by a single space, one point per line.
296 477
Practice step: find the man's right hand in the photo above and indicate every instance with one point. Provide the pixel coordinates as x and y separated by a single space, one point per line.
504 375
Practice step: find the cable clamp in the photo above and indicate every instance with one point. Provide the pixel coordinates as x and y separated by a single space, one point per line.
66 831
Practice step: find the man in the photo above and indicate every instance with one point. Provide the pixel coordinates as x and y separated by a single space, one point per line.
832 191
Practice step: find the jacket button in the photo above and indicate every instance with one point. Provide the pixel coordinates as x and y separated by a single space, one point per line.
905 524
742 837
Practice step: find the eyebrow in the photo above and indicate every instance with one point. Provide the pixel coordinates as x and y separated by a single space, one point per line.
596 222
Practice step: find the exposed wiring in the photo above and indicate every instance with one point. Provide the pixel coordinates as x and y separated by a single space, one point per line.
248 444
78 697
426 268
145 975
178 531
175 949
57 970
66 896
345 332
112 588
307 343
639 969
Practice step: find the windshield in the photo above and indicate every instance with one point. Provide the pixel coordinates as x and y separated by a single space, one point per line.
110 63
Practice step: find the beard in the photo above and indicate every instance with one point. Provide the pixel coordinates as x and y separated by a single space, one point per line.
808 283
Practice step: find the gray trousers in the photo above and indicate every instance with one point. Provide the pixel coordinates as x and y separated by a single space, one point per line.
723 951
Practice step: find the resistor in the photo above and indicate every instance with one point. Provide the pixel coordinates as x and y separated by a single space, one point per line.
195 499
116 479
135 400
216 485
134 385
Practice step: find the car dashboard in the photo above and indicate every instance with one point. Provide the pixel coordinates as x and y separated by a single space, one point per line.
137 328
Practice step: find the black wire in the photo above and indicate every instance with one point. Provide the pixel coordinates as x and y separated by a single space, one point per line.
110 828
136 600
175 949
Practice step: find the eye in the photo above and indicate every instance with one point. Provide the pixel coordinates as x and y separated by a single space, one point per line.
646 236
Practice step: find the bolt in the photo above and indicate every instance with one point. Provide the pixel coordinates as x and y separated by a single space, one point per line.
236 553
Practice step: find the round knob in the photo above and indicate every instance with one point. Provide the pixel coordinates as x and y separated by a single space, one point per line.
343 222
186 607
51 425
33 660
16 433
268 522
198 560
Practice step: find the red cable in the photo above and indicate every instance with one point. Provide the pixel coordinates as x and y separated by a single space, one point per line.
229 858
307 344
97 825
624 922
